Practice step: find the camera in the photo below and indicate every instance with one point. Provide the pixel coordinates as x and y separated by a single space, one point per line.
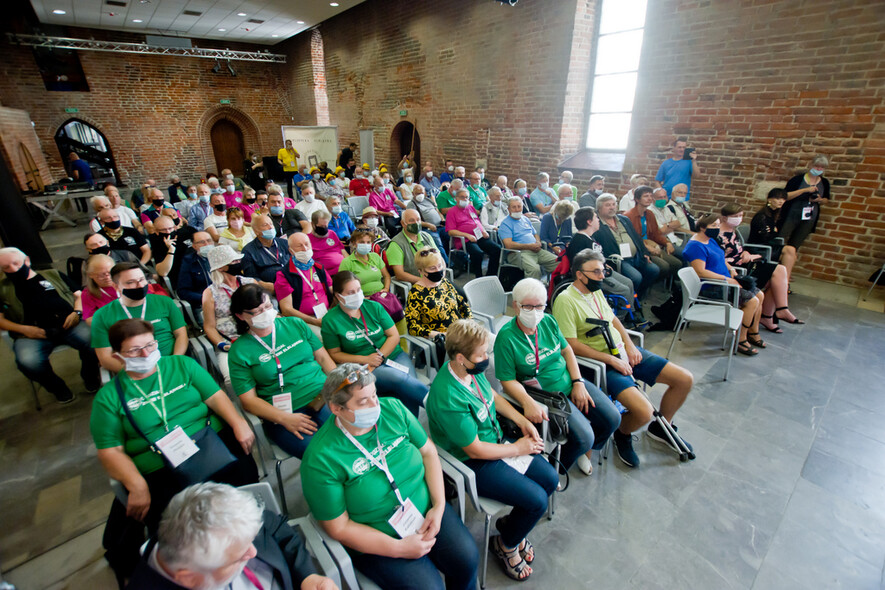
509 2
686 155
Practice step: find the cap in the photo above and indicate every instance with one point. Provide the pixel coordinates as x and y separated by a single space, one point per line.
221 256
365 166
314 169
339 169
330 176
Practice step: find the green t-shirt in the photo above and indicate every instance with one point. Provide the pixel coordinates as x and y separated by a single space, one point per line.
571 309
186 385
445 199
252 366
395 252
478 196
161 312
369 273
457 416
339 330
336 476
515 355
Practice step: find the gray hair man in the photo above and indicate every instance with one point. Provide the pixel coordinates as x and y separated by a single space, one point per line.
517 233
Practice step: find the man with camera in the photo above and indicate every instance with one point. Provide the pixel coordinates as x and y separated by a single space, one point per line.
679 168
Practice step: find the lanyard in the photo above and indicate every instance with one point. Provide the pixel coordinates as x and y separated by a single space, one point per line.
366 333
272 349
129 315
382 464
598 308
275 253
481 398
644 227
537 352
309 280
161 412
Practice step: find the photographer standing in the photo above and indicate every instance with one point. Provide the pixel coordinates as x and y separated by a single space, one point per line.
679 168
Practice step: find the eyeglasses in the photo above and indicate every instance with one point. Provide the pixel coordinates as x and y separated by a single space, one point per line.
351 378
149 347
261 309
600 272
540 307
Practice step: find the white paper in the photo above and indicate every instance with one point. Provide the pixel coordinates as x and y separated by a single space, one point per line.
319 310
520 464
625 250
177 446
622 352
672 237
477 233
397 366
283 401
406 520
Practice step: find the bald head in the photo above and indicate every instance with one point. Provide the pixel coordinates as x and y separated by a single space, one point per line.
299 242
411 216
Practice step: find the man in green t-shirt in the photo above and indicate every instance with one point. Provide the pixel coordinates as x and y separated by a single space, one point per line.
135 302
478 194
404 246
446 199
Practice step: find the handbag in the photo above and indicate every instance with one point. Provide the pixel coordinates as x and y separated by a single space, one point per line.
558 412
212 456
390 304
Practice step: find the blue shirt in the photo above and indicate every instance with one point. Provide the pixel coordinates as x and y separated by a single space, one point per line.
197 215
263 263
342 225
552 234
519 230
432 186
712 255
673 172
84 170
445 177
539 197
298 178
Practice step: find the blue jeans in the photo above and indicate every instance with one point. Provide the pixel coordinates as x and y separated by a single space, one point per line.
642 273
406 388
528 493
32 359
437 239
590 430
475 251
454 555
289 442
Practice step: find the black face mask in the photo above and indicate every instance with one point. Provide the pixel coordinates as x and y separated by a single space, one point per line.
592 285
478 368
219 208
250 201
712 232
136 294
436 276
171 235
113 224
158 203
235 268
21 274
101 250
321 231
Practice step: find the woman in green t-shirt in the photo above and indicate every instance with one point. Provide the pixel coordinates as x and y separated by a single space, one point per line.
162 394
277 367
366 264
461 411
374 482
360 331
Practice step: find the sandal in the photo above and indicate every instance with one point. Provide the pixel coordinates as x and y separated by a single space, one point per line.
771 317
527 551
795 320
745 348
753 338
519 572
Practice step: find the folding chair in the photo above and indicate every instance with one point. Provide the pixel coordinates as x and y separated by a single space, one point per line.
60 348
355 206
489 301
764 250
875 281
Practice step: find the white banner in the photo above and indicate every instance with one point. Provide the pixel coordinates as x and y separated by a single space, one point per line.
314 144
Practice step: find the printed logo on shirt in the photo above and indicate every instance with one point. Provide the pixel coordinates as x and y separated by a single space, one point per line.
130 241
357 334
47 285
330 242
544 353
154 396
267 356
361 465
483 413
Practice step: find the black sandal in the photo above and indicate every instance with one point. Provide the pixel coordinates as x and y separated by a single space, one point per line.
795 320
745 348
771 317
752 338
513 571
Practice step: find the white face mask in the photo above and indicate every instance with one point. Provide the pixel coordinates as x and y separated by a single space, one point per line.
462 204
429 174
308 197
531 319
372 222
354 301
230 189
544 186
735 221
408 179
418 197
316 176
517 215
229 176
264 320
304 257
143 364
236 224
451 168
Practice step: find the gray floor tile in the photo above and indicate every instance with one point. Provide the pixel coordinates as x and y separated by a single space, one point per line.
853 483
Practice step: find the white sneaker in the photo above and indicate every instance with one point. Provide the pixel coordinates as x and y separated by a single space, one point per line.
585 465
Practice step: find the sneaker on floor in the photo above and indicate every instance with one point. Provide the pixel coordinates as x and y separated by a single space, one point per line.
624 449
585 465
656 432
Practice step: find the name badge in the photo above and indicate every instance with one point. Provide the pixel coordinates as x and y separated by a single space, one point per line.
397 366
622 352
807 212
532 383
283 401
319 310
177 446
406 519
395 214
477 233
625 250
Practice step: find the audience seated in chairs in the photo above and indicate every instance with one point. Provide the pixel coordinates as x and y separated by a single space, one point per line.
286 221
531 350
462 414
369 221
770 276
763 227
429 218
433 302
556 225
467 233
627 201
357 330
193 277
267 254
123 238
516 232
495 210
99 290
645 225
586 225
340 223
98 244
386 203
303 287
215 536
277 367
354 495
327 248
669 221
237 234
368 266
543 197
403 248
169 246
609 343
706 257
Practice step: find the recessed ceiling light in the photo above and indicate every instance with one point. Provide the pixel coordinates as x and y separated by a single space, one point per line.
221 30
59 12
274 36
137 20
241 14
333 4
300 22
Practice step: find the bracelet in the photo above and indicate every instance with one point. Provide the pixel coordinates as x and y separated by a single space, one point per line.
578 380
221 346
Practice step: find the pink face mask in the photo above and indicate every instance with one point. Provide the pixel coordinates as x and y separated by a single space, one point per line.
236 224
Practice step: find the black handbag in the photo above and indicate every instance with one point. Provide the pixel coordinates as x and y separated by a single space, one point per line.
212 457
558 412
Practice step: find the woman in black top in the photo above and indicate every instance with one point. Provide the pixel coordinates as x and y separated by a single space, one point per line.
586 224
798 216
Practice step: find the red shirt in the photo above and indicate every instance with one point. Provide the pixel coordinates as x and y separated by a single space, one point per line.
360 187
91 304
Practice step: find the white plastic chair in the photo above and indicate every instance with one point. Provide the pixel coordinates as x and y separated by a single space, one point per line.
706 311
489 301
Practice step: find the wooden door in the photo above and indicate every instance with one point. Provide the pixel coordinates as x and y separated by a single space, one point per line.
227 144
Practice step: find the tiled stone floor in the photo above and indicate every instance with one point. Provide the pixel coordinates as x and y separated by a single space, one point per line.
788 490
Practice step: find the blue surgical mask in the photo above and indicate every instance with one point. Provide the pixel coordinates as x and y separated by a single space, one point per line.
520 191
816 171
192 195
679 199
363 248
366 417
336 210
204 250
204 198
276 210
269 234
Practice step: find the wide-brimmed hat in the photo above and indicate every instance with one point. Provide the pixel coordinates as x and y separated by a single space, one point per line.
221 256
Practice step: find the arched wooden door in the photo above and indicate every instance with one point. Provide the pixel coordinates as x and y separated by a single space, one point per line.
403 140
228 146
32 173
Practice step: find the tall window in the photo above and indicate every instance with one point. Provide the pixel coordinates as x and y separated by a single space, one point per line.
618 46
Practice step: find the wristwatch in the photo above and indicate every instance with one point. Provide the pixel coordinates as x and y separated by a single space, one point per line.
79 313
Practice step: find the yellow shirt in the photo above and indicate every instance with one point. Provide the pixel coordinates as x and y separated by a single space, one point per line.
290 162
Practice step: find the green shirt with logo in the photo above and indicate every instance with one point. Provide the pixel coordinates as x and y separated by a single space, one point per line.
339 330
161 312
515 355
186 386
252 365
456 414
336 476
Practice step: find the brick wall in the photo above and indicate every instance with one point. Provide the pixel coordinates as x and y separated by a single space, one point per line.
16 130
156 111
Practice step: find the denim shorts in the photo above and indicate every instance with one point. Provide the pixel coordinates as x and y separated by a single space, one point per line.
647 371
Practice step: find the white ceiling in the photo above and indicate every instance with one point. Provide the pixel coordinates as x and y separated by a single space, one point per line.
165 17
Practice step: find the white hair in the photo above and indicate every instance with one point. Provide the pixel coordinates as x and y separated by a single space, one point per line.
567 174
461 168
605 197
96 201
820 160
565 188
514 199
12 250
202 522
529 288
543 175
274 189
496 190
